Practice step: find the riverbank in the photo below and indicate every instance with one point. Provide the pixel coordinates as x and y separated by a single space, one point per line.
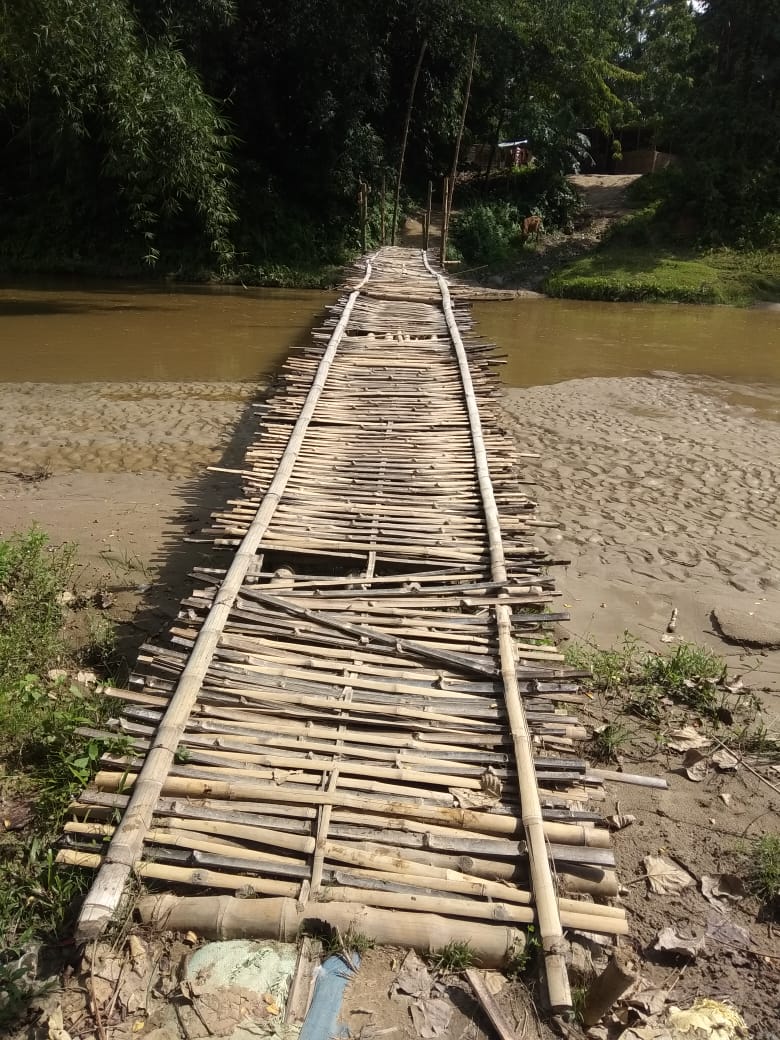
664 488
616 252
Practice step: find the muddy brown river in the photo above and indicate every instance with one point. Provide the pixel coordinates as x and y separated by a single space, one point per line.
75 332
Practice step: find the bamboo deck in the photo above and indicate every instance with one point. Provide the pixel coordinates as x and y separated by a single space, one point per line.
362 706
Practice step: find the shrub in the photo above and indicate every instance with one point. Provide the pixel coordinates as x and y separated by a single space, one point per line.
485 233
33 576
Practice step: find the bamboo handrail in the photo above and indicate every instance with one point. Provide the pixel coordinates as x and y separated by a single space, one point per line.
556 974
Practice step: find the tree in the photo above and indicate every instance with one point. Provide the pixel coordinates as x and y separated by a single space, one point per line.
106 122
727 128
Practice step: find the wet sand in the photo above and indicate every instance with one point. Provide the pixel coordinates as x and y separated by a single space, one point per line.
121 470
666 490
665 486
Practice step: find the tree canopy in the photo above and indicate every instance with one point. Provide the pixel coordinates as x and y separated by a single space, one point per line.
216 125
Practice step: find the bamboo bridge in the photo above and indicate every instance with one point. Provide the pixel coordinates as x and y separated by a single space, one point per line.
359 717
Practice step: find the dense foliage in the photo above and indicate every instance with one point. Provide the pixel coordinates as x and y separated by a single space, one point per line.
231 134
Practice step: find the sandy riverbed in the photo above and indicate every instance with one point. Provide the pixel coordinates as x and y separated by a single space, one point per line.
666 488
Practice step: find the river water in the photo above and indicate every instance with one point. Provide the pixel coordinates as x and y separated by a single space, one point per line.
63 333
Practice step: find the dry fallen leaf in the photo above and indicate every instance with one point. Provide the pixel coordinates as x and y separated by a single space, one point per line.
725 761
686 738
648 1001
665 877
730 934
723 890
695 765
431 1017
56 1028
414 979
646 1032
668 941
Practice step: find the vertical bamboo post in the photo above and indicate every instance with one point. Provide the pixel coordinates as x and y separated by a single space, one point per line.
609 987
462 122
382 228
428 207
445 219
545 896
105 895
363 207
412 89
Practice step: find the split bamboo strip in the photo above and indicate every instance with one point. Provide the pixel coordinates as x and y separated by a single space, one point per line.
484 823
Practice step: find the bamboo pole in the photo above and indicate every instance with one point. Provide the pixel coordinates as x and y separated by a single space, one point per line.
412 90
428 211
621 972
374 636
362 206
445 201
106 892
454 174
553 943
382 228
363 864
224 917
482 823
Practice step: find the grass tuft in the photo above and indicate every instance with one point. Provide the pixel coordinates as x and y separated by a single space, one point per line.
692 675
33 575
455 956
607 741
352 941
764 870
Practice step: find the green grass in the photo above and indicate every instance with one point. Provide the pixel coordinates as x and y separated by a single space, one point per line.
454 957
43 761
606 742
524 959
692 675
764 870
612 669
352 941
32 577
625 272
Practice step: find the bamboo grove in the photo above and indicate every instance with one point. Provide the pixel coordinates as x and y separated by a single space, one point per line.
222 133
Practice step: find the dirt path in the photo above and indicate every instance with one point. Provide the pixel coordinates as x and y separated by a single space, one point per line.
604 194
